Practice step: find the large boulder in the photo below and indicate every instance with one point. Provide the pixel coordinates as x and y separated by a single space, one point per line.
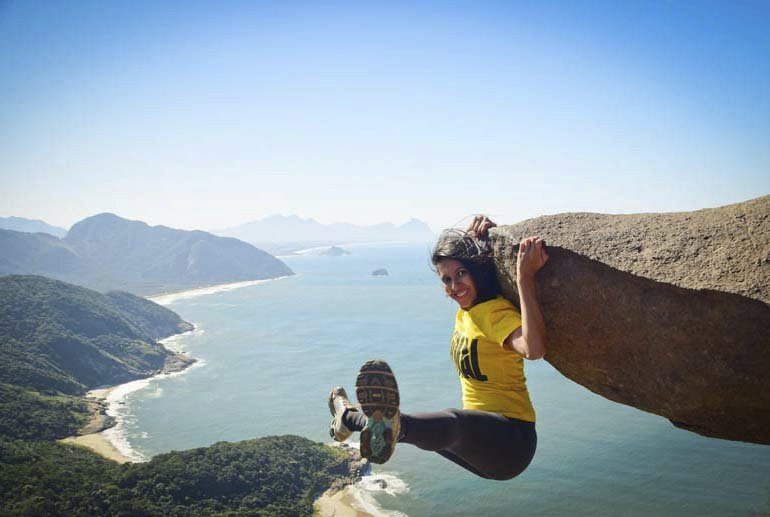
664 312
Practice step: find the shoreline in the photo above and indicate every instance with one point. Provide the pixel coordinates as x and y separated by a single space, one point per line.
95 440
99 433
338 503
171 297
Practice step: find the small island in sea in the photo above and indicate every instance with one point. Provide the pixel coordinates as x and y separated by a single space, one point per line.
380 272
334 251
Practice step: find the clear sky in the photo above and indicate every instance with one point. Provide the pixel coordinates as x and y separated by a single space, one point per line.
210 114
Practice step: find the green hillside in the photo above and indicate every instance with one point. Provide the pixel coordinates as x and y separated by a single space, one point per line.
106 252
57 340
267 476
60 337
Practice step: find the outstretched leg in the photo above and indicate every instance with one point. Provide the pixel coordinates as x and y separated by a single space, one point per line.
487 444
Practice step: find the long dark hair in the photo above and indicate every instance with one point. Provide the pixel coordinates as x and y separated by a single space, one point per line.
475 254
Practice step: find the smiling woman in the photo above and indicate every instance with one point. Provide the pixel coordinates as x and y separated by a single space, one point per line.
494 435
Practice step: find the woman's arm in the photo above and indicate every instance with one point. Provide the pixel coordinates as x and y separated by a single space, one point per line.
530 339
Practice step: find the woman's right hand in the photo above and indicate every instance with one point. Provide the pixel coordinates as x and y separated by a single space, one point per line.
480 226
531 257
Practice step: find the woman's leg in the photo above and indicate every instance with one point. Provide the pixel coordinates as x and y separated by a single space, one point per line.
487 444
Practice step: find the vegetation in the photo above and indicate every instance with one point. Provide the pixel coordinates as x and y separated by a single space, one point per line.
107 252
266 476
29 415
56 340
60 337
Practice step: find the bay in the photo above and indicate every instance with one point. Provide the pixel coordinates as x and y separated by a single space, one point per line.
271 353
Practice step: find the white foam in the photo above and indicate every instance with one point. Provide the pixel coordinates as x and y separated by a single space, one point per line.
362 493
318 249
166 299
386 482
116 408
116 400
172 342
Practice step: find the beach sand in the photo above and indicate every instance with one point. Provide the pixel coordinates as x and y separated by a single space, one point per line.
95 439
339 504
100 445
167 298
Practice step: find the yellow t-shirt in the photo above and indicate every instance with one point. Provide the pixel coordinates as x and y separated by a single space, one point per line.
492 378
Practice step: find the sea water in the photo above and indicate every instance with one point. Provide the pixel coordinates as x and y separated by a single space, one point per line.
270 353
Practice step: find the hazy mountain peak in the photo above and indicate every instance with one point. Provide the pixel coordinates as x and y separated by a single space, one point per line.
21 224
107 251
292 228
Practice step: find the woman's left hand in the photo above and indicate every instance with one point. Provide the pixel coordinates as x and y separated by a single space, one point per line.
532 256
480 226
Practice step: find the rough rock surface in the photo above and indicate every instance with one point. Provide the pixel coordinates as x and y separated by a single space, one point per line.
664 312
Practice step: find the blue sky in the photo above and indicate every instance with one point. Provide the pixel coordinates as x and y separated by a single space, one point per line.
209 114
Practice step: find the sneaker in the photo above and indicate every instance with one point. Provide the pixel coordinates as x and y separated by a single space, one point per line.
377 394
338 403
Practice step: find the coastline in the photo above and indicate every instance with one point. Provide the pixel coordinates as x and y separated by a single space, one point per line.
171 297
102 433
338 503
95 439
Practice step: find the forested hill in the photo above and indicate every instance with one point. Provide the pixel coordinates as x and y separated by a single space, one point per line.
108 252
61 337
271 476
57 340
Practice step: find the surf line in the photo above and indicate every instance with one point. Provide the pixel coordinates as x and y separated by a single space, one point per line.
168 298
115 398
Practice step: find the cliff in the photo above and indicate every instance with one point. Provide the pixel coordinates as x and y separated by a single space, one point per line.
667 313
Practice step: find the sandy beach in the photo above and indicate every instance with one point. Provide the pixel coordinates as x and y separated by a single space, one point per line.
339 504
167 298
95 440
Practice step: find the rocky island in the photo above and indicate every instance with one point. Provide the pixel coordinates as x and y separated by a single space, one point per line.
334 251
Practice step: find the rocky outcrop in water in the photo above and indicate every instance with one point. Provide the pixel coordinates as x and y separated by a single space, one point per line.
664 312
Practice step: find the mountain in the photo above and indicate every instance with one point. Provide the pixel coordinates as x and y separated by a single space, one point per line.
60 337
108 252
20 224
38 253
278 228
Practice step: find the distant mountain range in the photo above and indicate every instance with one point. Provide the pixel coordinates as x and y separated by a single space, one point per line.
293 229
20 224
108 252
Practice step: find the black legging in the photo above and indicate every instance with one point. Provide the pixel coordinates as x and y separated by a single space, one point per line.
487 444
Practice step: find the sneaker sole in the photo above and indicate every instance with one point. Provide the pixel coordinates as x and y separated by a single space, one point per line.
377 394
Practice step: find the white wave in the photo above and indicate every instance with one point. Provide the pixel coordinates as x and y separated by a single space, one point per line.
362 493
172 342
386 482
318 249
121 412
166 299
117 409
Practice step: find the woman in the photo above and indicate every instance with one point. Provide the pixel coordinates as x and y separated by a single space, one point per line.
493 436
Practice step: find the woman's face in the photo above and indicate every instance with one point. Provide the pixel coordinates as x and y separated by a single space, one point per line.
458 282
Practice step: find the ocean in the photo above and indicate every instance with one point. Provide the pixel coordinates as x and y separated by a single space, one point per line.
269 352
